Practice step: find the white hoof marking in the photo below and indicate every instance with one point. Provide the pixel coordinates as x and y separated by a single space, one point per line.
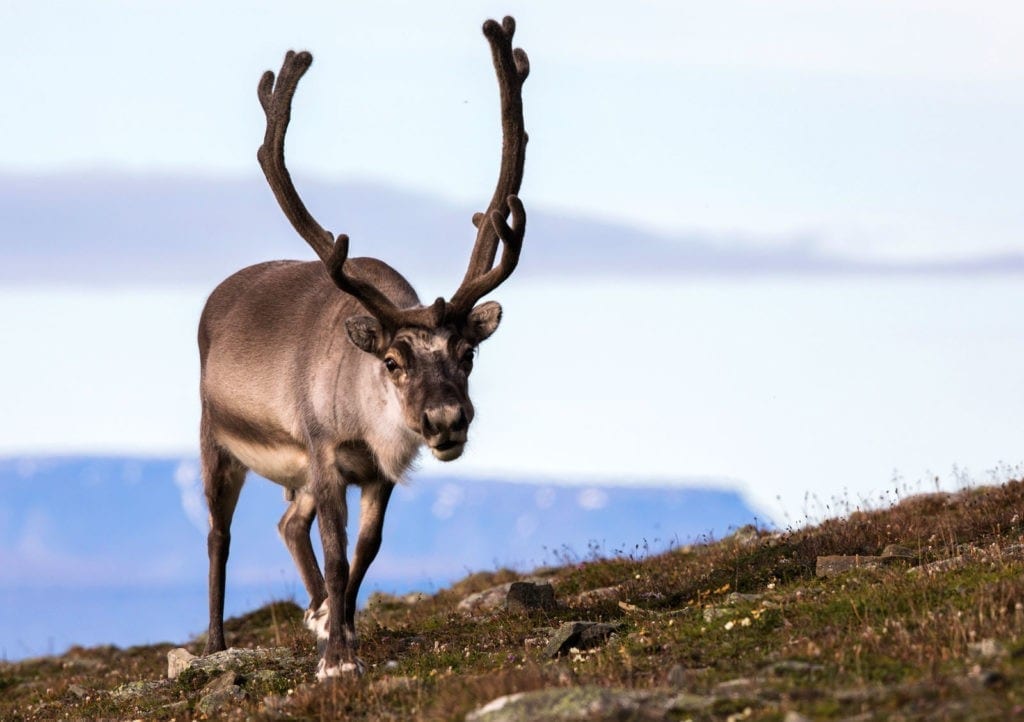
323 671
316 621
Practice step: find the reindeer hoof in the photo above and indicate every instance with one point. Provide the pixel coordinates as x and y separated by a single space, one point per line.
316 621
323 671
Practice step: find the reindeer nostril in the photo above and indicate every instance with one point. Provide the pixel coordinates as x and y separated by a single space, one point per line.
428 428
462 422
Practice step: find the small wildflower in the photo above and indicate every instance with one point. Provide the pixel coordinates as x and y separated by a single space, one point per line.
729 625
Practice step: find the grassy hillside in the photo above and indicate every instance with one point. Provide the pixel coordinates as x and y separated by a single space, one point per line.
736 629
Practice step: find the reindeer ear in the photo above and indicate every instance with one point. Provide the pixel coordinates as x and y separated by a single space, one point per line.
366 333
483 321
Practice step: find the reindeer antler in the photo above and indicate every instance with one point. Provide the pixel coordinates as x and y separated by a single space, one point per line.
512 67
276 99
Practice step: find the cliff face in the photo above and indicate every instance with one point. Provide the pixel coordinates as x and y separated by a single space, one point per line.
807 624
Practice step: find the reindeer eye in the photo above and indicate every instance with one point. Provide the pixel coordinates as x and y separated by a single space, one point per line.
467 358
390 364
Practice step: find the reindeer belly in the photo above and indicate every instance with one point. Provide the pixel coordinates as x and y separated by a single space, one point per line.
285 464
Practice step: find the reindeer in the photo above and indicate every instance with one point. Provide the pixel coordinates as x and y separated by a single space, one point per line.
323 374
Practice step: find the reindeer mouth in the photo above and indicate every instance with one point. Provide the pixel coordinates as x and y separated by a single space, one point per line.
448 450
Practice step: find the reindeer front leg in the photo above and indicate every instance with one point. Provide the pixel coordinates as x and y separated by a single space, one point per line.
373 502
331 510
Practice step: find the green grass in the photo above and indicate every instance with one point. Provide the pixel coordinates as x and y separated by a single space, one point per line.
887 643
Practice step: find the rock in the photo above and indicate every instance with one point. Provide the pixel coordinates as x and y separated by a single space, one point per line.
794 716
240 660
78 691
266 681
746 535
711 613
176 708
576 704
895 551
686 703
737 598
578 635
987 649
491 599
942 565
834 565
677 676
736 688
529 596
140 688
716 611
989 678
178 661
384 600
224 681
596 596
795 667
221 698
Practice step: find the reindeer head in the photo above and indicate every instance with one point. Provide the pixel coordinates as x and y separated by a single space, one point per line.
429 367
425 352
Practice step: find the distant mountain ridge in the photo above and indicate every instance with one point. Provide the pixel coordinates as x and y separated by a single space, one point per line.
115 548
176 229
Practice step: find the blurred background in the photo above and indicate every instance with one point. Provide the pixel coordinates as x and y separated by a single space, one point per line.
773 272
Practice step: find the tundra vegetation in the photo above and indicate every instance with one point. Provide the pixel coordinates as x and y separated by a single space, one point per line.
739 628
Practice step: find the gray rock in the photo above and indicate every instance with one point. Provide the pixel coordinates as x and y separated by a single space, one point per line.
393 601
224 681
140 688
738 598
795 667
240 660
578 635
178 661
596 596
987 649
220 699
794 716
677 676
942 565
834 565
746 535
529 596
78 691
737 688
491 599
576 704
895 551
686 703
711 613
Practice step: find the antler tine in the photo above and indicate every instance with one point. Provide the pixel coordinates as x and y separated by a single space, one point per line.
276 99
512 239
511 66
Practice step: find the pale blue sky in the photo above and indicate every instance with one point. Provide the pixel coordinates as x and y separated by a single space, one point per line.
868 126
880 128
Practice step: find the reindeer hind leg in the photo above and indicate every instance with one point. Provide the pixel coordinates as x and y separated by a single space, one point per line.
223 477
295 527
